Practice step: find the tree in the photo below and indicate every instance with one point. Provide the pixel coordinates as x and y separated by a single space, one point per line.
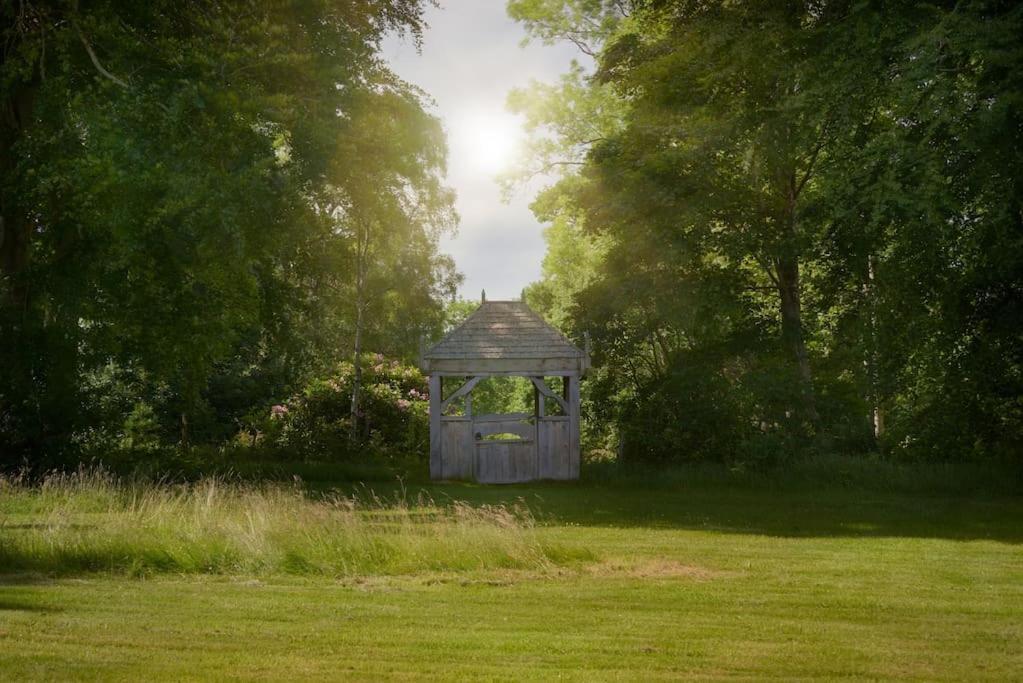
790 201
388 198
161 167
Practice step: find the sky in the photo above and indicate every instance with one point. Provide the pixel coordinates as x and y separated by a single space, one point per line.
471 57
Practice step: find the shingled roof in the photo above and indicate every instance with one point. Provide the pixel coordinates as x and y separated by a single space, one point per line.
505 336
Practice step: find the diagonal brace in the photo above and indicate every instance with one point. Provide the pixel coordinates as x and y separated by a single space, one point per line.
460 392
542 387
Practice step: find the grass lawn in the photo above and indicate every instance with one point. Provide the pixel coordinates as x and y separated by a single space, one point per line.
707 582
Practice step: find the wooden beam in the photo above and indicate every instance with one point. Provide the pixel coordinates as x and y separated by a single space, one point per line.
538 402
436 456
509 373
573 426
502 417
461 391
510 366
542 387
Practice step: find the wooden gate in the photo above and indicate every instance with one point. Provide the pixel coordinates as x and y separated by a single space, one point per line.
505 448
492 449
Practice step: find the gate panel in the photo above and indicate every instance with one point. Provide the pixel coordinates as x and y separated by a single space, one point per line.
505 462
457 448
555 458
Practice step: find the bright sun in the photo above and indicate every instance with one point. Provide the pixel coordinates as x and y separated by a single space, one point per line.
486 140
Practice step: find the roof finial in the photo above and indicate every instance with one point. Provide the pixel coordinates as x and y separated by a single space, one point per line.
483 297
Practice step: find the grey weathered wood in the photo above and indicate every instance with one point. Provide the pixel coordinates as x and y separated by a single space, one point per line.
501 417
505 338
436 457
457 448
506 366
460 392
539 408
503 462
542 387
573 417
553 458
524 430
569 373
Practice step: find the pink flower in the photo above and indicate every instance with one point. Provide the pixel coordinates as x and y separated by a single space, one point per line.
378 358
403 404
278 411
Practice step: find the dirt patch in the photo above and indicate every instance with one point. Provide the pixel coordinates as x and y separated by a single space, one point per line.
652 568
656 568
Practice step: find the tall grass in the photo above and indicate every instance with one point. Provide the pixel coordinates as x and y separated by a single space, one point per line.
90 521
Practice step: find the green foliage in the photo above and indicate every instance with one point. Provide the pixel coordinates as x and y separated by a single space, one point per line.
797 226
179 188
501 395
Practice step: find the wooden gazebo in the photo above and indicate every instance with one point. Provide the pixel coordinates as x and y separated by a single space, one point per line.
504 338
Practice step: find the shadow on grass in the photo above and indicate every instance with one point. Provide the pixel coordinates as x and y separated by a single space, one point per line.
781 513
11 603
8 605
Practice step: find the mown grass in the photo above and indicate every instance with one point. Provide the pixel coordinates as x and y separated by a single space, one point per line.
701 579
90 521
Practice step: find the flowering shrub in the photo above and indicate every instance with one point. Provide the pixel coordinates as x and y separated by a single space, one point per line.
393 414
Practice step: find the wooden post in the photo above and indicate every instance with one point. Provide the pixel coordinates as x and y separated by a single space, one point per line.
436 457
539 443
572 386
538 401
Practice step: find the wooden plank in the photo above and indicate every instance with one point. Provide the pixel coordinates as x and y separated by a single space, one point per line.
573 428
541 442
512 366
554 461
436 455
502 462
457 449
523 430
501 417
512 373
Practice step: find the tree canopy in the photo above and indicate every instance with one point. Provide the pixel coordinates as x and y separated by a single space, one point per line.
788 227
807 216
182 184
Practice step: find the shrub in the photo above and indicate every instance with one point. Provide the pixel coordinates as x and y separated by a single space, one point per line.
393 414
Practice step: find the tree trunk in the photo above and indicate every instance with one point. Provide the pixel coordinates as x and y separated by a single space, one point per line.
15 227
357 375
185 437
871 360
787 269
361 253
